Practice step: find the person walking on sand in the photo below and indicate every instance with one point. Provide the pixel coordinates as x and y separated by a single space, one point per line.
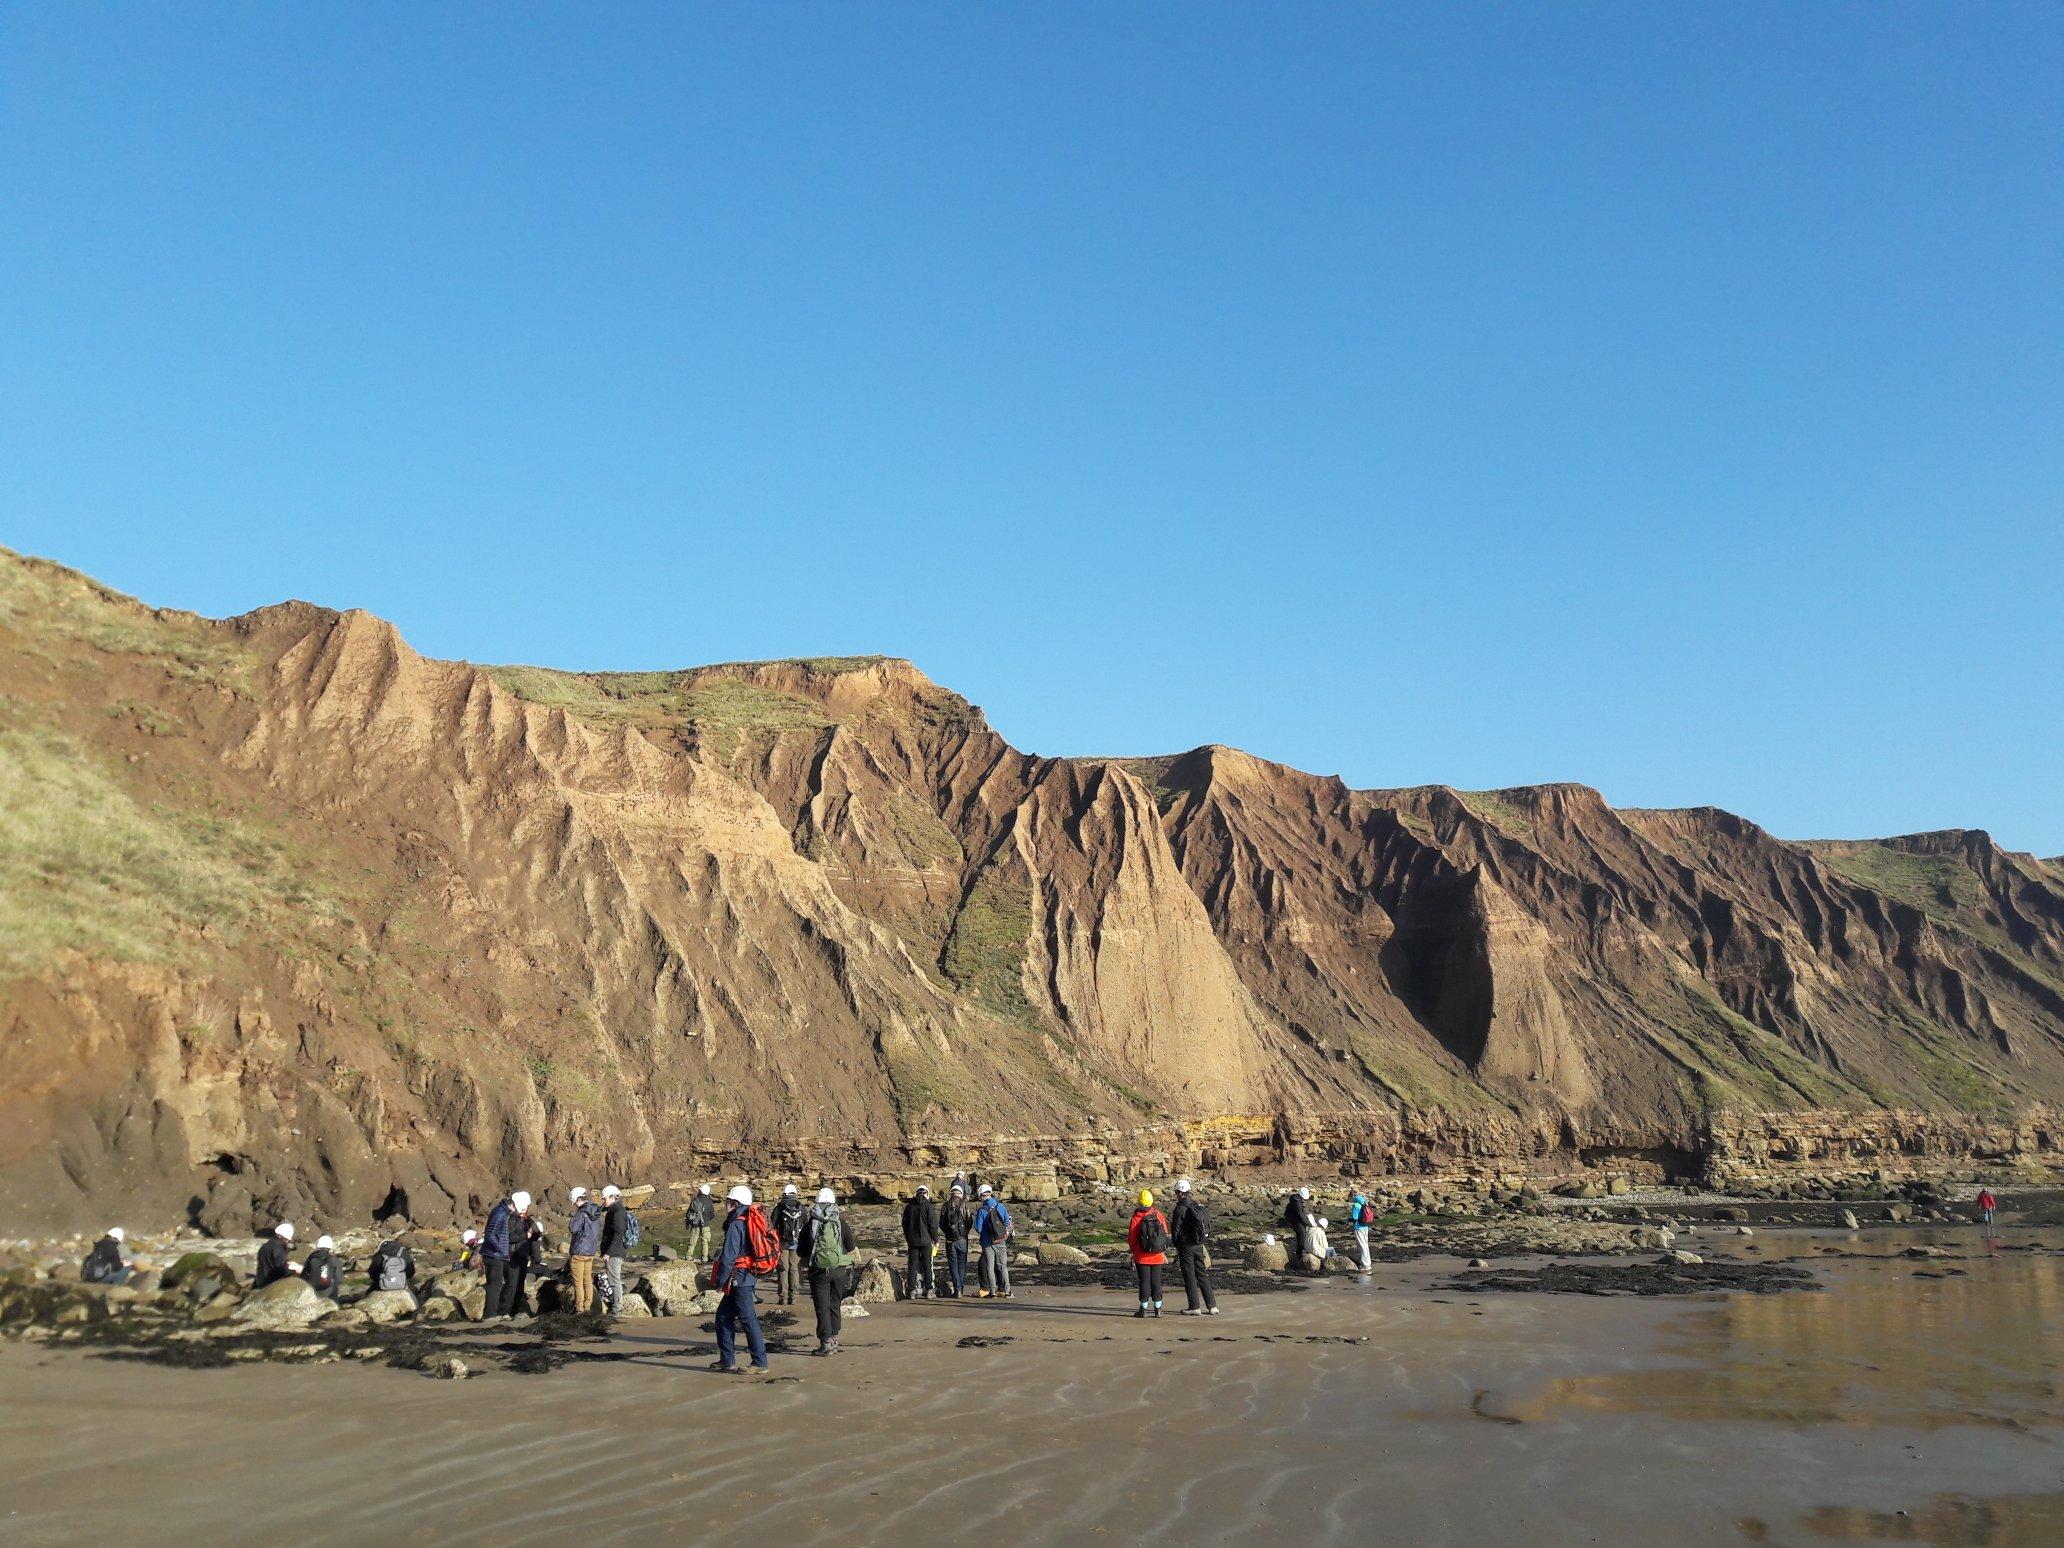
1190 1225
702 1212
1986 1205
827 1246
616 1234
1297 1224
105 1264
750 1249
1361 1214
583 1241
1148 1240
272 1257
993 1230
920 1239
503 1222
956 1219
789 1216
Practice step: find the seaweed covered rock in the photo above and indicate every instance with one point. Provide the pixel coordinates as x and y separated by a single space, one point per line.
285 1303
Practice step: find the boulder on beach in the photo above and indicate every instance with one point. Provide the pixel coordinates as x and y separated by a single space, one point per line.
875 1283
285 1303
1268 1257
634 1305
387 1306
464 1288
1850 1222
1060 1253
192 1269
1652 1238
674 1288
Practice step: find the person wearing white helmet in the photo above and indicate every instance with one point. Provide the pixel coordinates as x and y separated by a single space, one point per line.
616 1242
504 1221
993 1229
273 1264
323 1269
1190 1225
750 1249
1361 1214
105 1264
583 1245
956 1219
788 1225
700 1216
920 1243
1297 1223
827 1246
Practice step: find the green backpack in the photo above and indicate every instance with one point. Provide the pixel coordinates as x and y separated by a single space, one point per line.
828 1251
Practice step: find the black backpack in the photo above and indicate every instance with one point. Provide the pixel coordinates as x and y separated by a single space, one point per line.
1193 1225
1152 1237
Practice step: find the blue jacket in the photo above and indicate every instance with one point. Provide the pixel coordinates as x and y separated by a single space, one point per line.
1354 1209
494 1241
736 1246
992 1220
585 1233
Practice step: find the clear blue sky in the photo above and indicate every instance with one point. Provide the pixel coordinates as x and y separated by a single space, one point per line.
1660 396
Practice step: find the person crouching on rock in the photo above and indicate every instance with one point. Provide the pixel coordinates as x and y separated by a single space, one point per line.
469 1251
827 1246
955 1221
105 1264
502 1226
273 1265
920 1241
1191 1228
1148 1239
583 1237
1315 1247
750 1249
323 1270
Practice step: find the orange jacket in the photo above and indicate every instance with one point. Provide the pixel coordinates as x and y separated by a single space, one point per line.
1132 1236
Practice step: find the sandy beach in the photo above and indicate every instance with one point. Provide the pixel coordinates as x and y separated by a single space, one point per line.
1885 1407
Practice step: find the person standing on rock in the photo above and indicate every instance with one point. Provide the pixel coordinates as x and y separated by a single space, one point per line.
1190 1225
993 1230
583 1238
750 1249
502 1224
616 1230
955 1221
1361 1214
827 1247
1148 1240
788 1225
272 1257
1297 1224
702 1213
323 1270
920 1240
105 1264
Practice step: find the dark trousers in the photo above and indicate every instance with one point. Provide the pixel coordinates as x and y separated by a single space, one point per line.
512 1288
956 1266
1149 1283
735 1311
919 1278
1196 1278
498 1278
827 1290
791 1275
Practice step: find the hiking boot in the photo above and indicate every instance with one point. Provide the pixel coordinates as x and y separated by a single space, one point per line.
1157 1308
728 1370
1141 1312
821 1349
1191 1311
1211 1311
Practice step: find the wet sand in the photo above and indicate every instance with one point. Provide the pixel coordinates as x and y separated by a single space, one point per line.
1466 1419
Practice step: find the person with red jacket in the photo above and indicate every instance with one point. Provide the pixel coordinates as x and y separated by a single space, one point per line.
1149 1240
1986 1204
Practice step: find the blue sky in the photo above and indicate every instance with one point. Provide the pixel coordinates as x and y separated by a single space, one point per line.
1663 397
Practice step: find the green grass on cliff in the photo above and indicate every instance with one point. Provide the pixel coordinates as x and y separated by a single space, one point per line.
47 605
1940 886
984 956
720 711
1491 806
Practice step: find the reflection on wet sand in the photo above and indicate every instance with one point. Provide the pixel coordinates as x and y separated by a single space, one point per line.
1951 1520
1889 1350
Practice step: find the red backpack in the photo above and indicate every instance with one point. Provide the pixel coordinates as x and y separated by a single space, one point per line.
762 1246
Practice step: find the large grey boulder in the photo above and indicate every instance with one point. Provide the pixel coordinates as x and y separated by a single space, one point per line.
1060 1253
673 1288
875 1283
387 1306
285 1303
1268 1257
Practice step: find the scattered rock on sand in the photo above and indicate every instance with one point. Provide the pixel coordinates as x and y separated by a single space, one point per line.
285 1303
874 1284
853 1309
1849 1220
1268 1257
451 1368
1690 1259
673 1288
387 1306
1060 1253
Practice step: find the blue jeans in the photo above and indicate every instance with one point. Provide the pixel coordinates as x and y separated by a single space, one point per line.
737 1307
956 1265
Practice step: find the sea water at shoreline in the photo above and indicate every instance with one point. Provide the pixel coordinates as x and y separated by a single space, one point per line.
1884 1407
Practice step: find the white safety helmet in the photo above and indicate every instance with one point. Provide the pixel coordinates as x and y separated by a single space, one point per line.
826 1196
787 1188
740 1194
116 1232
1304 1193
575 1196
704 1188
1183 1186
521 1200
611 1191
468 1238
284 1230
985 1190
324 1242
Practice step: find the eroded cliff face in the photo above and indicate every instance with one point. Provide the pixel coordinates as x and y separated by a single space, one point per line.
295 917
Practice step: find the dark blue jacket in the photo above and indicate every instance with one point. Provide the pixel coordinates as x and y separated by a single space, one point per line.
585 1233
494 1241
737 1245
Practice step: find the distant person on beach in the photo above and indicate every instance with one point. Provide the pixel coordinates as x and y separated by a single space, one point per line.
1361 1214
750 1249
827 1247
1148 1240
273 1265
1190 1225
393 1266
616 1234
502 1224
1986 1205
956 1219
789 1216
700 1215
993 1230
583 1238
105 1264
1297 1224
323 1269
920 1242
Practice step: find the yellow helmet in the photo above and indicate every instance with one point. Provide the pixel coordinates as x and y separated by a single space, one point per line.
1145 1198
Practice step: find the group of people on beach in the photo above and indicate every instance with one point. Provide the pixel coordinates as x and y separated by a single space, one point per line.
972 1213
